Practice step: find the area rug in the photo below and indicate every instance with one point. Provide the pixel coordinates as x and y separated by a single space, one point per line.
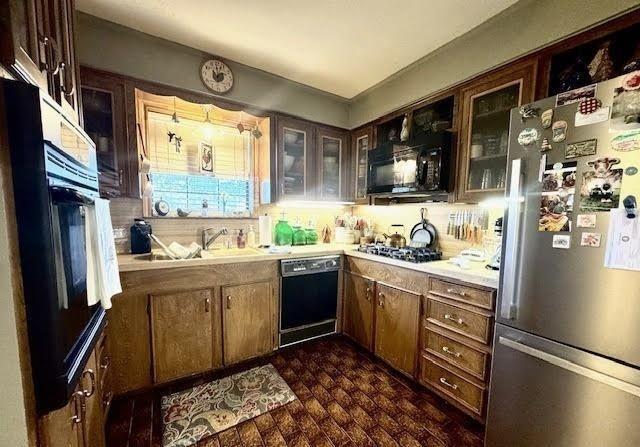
207 409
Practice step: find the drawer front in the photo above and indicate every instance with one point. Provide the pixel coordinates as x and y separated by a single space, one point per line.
461 390
466 294
464 357
462 321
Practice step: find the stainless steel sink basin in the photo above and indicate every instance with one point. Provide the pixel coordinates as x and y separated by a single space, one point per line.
204 254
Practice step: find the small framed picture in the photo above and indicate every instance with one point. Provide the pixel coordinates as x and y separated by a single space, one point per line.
590 239
561 241
206 157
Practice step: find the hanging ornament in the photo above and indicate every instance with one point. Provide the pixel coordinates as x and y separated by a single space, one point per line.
239 126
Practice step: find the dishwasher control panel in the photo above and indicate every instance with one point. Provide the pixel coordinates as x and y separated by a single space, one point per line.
308 266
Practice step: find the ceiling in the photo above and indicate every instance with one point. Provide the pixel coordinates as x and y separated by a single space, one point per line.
339 46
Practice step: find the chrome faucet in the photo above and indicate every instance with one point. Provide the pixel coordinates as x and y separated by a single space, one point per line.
206 242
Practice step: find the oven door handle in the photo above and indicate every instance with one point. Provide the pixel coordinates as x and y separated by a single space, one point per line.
60 194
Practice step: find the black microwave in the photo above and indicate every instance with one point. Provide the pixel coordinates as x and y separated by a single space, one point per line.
418 166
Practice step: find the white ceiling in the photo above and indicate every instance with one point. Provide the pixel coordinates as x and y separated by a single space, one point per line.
339 46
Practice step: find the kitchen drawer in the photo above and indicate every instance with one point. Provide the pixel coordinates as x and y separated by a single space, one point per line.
458 354
461 390
463 321
471 295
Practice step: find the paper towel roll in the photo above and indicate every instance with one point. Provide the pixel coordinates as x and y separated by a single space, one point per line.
264 230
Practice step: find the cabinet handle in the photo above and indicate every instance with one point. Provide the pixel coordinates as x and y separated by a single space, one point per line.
457 292
450 351
380 297
92 379
120 175
68 91
445 382
105 364
51 62
79 407
453 318
228 301
207 304
368 294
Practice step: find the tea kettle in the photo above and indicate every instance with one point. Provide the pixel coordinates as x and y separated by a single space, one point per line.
395 240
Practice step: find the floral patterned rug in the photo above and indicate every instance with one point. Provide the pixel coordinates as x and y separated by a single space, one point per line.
207 409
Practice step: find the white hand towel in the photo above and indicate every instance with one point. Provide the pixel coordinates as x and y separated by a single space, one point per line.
103 276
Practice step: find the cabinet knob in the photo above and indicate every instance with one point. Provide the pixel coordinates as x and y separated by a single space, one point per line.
228 301
207 304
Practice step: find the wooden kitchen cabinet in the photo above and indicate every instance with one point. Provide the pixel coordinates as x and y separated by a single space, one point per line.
63 427
93 425
358 309
332 166
105 121
313 162
397 327
247 320
484 136
185 333
361 144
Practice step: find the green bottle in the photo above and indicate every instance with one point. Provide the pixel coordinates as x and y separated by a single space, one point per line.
311 235
283 233
299 235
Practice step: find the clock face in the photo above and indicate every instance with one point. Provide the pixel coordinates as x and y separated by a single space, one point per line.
216 76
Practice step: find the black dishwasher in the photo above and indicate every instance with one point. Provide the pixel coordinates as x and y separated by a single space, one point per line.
308 298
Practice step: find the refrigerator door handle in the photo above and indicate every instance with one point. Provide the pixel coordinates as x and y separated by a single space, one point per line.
571 366
508 302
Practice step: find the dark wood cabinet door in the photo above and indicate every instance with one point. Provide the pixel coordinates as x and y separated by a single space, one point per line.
361 144
247 320
295 159
358 309
397 327
93 421
332 165
105 121
484 129
184 333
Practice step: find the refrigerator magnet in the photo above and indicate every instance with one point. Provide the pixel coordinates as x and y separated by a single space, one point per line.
581 148
545 145
631 170
547 118
561 241
624 111
573 96
528 136
559 131
586 221
626 142
590 239
595 117
556 202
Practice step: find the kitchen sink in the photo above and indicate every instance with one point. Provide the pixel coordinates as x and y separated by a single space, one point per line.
204 254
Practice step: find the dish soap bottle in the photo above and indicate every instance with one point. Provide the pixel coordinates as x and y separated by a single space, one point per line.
251 237
241 242
299 236
311 234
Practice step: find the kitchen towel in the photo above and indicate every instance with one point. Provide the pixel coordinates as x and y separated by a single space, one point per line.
103 276
623 241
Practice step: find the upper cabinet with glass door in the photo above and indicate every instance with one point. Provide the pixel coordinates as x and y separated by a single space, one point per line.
295 157
331 168
485 129
362 141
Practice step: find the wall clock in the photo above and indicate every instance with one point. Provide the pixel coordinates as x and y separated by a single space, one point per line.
216 76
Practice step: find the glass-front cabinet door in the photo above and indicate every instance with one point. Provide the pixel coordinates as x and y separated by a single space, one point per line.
331 172
296 154
362 142
485 131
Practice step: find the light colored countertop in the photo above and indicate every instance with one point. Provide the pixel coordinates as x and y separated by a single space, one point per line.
477 274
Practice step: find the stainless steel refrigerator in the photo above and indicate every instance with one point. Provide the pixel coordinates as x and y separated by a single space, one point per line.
566 363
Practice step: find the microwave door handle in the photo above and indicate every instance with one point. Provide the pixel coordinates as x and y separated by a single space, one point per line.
60 194
508 291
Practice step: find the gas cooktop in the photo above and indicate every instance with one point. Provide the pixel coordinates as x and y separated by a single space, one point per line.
411 254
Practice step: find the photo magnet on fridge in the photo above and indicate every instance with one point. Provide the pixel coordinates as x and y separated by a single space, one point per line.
625 111
573 96
581 148
561 241
590 239
601 185
558 192
586 221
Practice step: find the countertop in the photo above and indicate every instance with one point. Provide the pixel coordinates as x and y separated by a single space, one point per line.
477 274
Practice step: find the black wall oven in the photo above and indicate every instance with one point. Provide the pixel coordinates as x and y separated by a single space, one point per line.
54 181
418 166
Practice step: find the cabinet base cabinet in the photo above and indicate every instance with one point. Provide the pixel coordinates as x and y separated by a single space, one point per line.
247 321
358 309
